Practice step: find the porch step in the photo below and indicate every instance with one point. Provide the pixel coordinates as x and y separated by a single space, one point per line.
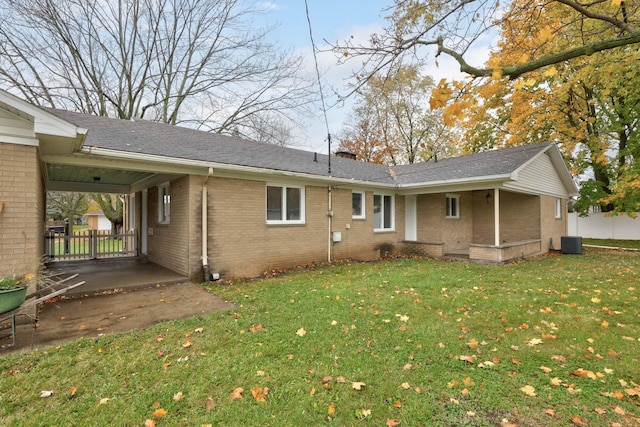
457 255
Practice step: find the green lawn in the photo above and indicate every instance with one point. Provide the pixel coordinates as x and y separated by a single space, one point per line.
552 341
633 244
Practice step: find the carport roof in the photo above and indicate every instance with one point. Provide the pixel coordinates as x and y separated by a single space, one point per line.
142 137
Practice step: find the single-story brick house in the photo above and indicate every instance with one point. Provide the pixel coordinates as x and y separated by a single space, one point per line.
269 207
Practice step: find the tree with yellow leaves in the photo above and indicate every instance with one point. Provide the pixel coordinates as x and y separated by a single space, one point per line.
562 71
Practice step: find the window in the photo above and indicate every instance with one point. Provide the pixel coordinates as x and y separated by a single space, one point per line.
453 206
285 205
357 205
164 203
558 209
383 215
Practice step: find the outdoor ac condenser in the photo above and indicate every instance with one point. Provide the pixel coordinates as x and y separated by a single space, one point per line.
571 244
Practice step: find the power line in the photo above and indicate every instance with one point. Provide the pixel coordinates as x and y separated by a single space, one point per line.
315 59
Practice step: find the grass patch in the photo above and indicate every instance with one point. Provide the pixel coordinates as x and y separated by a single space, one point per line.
633 244
539 342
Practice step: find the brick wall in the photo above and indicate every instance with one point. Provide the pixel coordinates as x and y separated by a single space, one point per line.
170 245
242 244
22 217
434 227
552 228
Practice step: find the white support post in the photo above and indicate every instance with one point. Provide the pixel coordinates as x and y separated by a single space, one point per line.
496 216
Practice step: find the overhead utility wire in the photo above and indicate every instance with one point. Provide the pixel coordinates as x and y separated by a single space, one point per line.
315 59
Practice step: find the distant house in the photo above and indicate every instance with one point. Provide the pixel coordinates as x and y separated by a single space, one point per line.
206 202
96 220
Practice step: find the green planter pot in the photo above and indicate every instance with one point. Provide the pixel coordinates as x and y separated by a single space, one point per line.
11 298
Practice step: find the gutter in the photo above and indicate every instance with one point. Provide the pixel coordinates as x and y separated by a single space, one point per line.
116 154
205 221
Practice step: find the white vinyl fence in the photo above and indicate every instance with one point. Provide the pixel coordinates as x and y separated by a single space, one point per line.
601 226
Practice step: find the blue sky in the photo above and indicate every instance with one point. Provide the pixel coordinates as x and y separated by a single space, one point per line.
336 20
331 20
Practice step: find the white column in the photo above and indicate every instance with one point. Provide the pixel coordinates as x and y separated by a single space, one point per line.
496 216
143 221
410 219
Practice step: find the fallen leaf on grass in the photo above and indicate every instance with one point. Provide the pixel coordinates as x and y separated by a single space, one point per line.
550 412
356 385
149 423
583 373
199 330
103 401
160 412
259 393
528 390
178 397
332 409
46 393
577 420
301 332
363 413
210 404
256 328
469 359
237 393
534 341
186 344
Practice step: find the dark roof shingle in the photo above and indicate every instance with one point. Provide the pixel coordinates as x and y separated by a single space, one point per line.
154 138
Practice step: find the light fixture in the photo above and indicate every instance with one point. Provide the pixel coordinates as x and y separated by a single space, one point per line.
488 197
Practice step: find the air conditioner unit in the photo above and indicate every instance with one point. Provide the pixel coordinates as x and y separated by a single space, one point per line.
571 244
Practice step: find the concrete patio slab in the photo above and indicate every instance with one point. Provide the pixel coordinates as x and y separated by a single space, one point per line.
104 275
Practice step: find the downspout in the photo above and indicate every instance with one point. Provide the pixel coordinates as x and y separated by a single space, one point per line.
205 220
330 216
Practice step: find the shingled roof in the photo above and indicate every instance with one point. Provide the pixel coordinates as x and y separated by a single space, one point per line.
154 138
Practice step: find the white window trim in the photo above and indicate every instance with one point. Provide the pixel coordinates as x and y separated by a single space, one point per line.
164 218
284 204
446 207
363 206
393 214
558 207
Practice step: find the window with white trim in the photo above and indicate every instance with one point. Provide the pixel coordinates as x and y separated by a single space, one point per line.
453 206
285 204
357 205
558 208
164 203
383 213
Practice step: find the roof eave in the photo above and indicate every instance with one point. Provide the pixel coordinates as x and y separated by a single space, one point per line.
480 182
232 168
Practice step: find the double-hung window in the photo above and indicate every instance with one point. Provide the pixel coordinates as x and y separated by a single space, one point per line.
164 203
453 206
383 213
285 204
357 205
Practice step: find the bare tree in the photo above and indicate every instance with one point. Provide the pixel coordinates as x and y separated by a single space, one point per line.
199 63
392 123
